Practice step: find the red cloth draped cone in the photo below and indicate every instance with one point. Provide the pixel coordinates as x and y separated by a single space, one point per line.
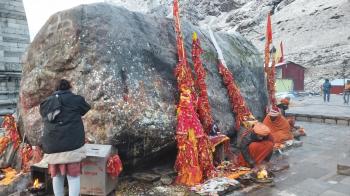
239 107
188 129
194 161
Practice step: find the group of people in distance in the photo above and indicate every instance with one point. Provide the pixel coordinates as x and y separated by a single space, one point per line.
326 90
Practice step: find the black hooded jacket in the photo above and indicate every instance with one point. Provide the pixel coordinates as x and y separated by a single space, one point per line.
66 132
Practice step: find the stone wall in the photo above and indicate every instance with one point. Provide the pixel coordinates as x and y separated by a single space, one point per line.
14 39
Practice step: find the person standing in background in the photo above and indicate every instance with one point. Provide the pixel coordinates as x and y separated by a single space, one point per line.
326 87
346 92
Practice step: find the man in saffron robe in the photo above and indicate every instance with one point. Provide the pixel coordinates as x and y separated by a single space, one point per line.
283 105
279 126
256 146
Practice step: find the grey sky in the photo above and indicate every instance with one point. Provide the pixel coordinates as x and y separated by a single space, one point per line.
38 11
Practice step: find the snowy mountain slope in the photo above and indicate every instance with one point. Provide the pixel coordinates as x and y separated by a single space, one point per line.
316 33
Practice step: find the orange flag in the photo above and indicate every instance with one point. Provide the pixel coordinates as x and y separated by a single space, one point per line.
282 54
269 30
268 37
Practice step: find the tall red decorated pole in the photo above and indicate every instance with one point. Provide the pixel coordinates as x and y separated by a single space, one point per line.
183 71
271 82
204 110
242 113
268 38
194 160
270 71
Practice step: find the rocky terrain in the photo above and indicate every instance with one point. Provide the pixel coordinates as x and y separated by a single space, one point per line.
316 34
123 64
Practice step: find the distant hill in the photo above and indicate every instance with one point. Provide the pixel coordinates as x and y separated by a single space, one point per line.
316 34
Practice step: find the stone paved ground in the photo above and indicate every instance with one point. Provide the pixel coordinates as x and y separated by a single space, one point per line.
313 167
315 106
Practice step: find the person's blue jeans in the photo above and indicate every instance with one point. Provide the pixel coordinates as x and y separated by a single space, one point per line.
346 96
326 95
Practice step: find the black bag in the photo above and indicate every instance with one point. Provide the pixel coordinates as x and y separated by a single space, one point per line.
50 108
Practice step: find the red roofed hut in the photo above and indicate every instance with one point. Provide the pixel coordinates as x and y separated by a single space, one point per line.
292 71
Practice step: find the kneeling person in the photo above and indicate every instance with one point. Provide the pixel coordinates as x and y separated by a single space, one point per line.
256 146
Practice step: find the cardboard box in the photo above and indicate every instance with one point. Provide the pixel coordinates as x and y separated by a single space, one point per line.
94 179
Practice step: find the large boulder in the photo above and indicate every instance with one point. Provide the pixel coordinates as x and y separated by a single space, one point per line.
123 64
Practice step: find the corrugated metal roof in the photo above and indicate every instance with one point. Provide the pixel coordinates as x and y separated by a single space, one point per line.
286 62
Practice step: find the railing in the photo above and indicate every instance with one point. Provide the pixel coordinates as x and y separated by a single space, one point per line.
339 120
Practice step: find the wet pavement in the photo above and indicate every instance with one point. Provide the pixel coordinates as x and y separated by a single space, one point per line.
313 167
314 105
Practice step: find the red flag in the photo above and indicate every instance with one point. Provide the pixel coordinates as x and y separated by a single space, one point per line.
268 37
270 71
180 44
269 30
282 54
203 110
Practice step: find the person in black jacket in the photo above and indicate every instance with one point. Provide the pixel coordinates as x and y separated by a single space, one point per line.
256 146
64 136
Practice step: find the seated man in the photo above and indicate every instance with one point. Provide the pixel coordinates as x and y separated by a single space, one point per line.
283 105
256 146
279 126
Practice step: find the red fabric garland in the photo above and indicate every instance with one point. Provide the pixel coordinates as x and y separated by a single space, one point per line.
10 125
114 166
4 142
239 107
203 109
26 153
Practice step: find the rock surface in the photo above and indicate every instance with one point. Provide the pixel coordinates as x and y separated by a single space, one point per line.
315 33
146 177
19 184
123 64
